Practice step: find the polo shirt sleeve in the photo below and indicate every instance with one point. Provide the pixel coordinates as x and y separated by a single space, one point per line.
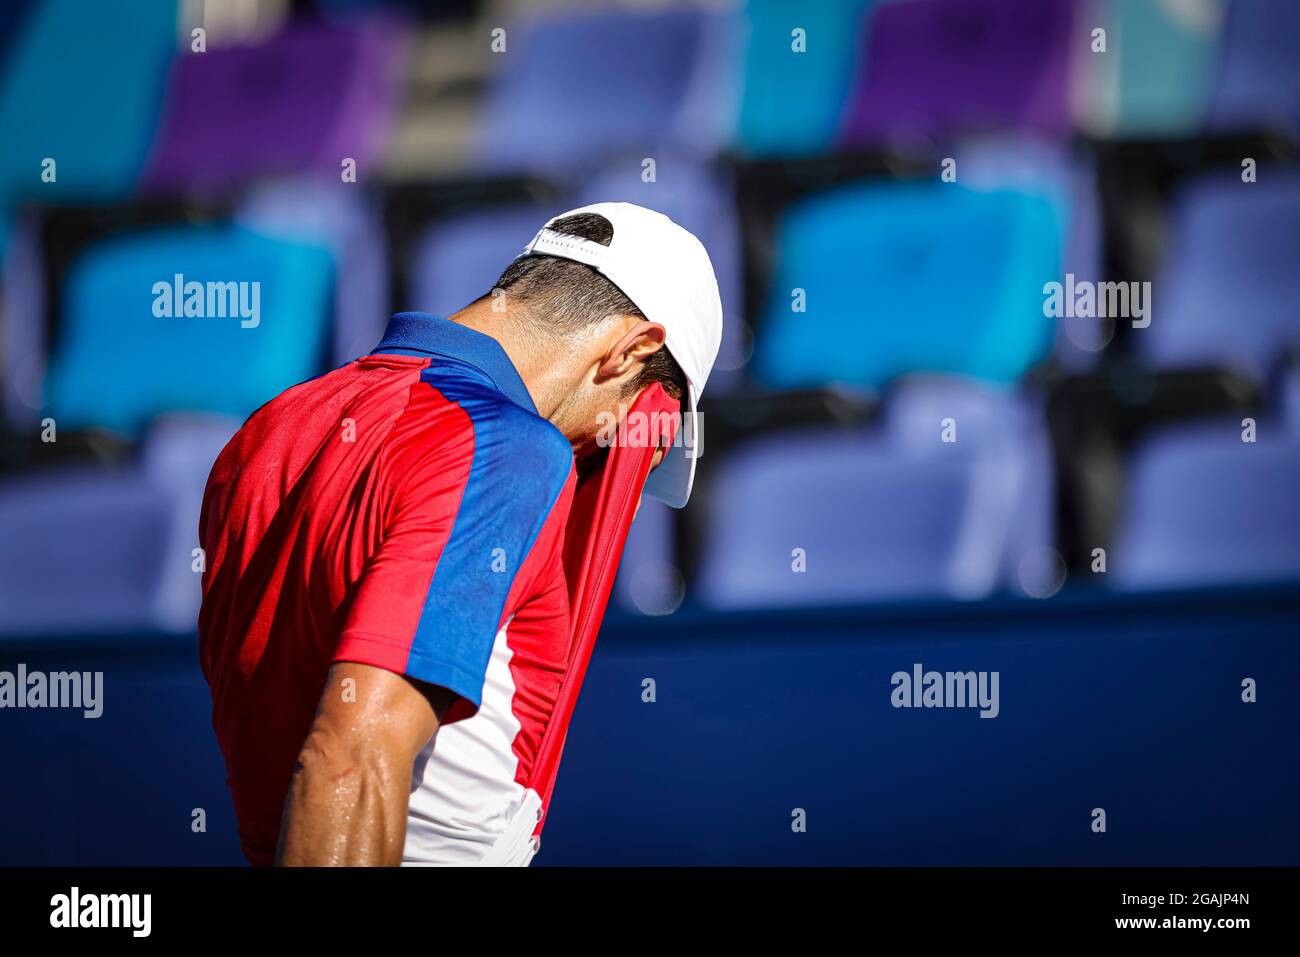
460 550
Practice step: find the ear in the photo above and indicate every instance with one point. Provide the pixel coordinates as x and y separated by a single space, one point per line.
641 341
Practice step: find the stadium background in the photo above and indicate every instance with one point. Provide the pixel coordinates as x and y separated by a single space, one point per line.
871 306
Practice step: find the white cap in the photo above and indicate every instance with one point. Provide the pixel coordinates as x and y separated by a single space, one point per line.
666 272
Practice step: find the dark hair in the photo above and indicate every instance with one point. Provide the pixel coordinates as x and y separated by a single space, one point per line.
570 296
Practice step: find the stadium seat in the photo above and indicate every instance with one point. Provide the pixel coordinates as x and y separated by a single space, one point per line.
791 102
117 365
458 258
991 423
1157 74
95 551
702 201
82 85
891 513
910 277
306 99
1258 80
1047 167
1205 508
579 86
933 68
316 212
1228 290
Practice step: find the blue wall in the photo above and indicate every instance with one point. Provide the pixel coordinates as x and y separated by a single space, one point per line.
1130 704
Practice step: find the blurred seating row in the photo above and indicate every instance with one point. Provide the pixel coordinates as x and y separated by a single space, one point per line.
891 277
952 495
110 91
898 279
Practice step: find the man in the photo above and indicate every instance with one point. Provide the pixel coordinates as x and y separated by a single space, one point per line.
385 617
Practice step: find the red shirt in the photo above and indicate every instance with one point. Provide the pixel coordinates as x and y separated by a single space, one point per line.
404 511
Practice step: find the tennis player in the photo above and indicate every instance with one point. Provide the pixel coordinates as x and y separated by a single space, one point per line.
385 618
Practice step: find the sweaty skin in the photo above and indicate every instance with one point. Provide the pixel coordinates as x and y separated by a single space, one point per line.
347 800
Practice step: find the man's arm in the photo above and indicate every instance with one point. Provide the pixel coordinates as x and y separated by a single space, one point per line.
347 800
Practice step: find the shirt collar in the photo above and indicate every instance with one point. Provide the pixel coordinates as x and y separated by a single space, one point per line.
423 333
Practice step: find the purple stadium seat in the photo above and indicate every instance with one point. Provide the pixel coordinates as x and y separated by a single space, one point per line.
303 100
1206 508
89 550
892 513
1258 84
991 424
703 202
1229 287
575 87
931 68
458 258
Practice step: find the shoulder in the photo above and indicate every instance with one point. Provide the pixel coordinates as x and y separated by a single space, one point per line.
519 446
506 445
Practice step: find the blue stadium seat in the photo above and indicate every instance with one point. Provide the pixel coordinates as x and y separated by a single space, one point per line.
1205 508
90 550
791 102
576 87
82 84
911 277
458 258
117 366
1228 290
1046 167
1258 83
893 513
317 212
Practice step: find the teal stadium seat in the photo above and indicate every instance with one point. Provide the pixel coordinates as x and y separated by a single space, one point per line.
1157 76
911 277
83 84
117 365
791 103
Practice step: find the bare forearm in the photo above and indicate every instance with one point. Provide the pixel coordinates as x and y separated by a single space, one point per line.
343 812
347 799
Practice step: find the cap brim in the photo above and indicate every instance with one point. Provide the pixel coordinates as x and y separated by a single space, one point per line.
671 482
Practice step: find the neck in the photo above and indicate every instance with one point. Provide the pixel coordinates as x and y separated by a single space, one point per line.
537 360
